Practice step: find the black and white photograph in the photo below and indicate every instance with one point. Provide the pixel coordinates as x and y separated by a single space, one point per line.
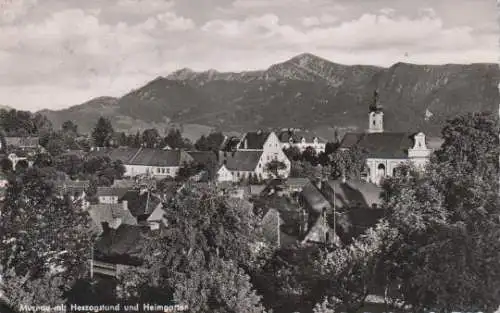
250 156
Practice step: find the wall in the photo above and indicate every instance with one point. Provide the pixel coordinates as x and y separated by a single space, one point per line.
134 170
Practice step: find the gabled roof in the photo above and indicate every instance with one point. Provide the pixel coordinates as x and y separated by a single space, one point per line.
138 203
121 245
244 161
203 157
318 233
157 214
110 213
355 193
380 145
111 191
144 156
124 183
314 198
254 140
354 222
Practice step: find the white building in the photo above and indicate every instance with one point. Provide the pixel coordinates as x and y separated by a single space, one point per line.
387 150
270 149
145 161
302 140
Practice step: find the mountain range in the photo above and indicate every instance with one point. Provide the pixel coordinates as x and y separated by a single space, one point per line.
306 91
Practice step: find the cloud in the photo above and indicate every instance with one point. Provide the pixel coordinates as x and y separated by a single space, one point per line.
11 11
369 31
311 21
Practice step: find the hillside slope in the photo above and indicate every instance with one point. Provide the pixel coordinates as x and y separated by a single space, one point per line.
305 91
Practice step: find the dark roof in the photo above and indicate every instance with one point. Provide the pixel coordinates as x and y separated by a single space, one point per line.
123 183
245 161
155 157
109 213
144 156
204 157
254 140
121 245
354 193
138 203
380 145
354 222
314 198
111 191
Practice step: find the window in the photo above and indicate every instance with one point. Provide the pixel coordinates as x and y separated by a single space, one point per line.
158 170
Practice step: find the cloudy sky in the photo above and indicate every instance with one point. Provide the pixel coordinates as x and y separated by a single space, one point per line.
58 53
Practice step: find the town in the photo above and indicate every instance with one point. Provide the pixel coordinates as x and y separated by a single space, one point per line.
306 222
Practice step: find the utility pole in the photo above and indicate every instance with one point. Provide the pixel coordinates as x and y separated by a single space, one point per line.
278 223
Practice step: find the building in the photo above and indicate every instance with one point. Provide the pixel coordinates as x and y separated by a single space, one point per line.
260 146
385 151
113 214
301 140
111 194
145 161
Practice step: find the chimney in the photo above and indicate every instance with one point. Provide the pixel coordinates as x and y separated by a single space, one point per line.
125 205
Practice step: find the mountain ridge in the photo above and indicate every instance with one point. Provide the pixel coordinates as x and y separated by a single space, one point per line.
305 91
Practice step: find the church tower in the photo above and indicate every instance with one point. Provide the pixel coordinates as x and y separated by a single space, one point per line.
376 116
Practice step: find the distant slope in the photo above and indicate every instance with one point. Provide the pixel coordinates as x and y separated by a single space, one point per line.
306 91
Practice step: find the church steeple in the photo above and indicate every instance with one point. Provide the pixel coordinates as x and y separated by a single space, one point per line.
376 115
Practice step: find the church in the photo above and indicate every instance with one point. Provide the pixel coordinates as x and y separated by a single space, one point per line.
385 151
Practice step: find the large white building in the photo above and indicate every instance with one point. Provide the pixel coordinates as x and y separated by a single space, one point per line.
387 150
302 140
250 155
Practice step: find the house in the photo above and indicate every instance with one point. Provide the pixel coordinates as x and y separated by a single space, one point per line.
124 183
301 140
146 161
23 143
296 184
3 185
240 165
345 195
111 195
141 204
223 174
118 249
292 219
75 189
385 151
113 214
269 144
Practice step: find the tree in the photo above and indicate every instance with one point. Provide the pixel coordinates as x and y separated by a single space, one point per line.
70 127
70 164
199 259
6 165
150 138
445 255
43 160
275 167
212 142
175 140
102 132
348 163
44 240
310 155
293 153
